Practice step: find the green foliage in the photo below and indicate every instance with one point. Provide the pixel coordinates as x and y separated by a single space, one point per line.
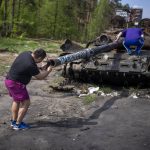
55 19
45 18
100 19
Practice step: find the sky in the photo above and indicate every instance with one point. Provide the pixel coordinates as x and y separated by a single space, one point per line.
145 4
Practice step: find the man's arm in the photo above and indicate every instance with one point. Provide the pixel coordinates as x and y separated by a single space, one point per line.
43 74
118 36
142 35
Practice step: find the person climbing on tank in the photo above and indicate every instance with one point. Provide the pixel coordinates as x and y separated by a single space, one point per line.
132 37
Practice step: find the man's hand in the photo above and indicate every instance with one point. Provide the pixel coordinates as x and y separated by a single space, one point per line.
49 69
45 67
116 40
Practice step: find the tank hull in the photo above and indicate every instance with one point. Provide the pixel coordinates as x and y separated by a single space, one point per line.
111 68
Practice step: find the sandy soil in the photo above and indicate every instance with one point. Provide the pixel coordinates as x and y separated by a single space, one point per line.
61 120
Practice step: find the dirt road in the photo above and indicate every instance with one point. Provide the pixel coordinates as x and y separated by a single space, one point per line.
61 121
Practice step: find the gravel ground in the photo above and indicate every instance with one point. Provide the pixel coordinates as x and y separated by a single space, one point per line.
61 120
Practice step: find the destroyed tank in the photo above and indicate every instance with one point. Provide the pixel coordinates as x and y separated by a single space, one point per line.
111 64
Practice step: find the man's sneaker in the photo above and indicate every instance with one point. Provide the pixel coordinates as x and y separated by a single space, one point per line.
21 126
13 122
24 124
137 53
129 52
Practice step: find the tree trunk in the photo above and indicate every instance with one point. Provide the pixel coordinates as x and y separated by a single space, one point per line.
18 12
4 32
0 3
13 14
55 18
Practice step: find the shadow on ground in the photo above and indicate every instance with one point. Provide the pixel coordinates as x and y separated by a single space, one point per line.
80 122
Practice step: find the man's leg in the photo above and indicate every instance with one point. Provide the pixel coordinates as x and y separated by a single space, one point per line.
15 110
127 47
22 110
139 46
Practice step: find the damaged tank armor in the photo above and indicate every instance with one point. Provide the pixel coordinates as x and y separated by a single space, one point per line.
108 64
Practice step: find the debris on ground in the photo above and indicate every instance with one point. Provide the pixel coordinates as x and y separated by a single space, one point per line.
91 90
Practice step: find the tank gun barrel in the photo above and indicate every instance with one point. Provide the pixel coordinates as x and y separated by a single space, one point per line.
84 54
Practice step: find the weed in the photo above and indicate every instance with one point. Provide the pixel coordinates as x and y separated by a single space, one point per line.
89 99
106 89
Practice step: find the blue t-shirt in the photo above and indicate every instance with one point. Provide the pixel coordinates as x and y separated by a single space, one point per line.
132 34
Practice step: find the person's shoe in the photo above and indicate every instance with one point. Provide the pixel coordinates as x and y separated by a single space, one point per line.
21 126
24 124
13 122
137 53
129 52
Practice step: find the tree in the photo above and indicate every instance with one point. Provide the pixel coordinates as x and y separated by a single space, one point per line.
4 29
13 13
100 18
55 19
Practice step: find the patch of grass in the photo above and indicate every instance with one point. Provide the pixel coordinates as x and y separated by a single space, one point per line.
133 89
2 69
5 62
56 81
106 89
15 45
18 45
89 99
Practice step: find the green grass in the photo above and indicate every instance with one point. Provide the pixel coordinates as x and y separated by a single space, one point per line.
89 99
56 82
5 62
18 45
106 89
133 89
2 69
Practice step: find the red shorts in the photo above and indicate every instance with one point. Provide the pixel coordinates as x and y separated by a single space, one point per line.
17 90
